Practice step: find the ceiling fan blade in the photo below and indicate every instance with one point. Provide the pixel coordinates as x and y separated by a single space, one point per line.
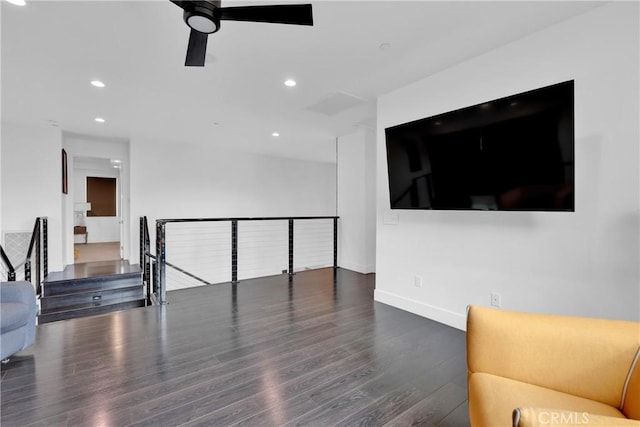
297 14
197 49
180 3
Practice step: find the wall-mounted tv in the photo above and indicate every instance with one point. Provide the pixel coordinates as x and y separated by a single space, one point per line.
514 153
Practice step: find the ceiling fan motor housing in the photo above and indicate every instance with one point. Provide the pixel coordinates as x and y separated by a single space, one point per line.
203 16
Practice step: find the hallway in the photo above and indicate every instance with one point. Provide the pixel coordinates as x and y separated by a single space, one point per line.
93 252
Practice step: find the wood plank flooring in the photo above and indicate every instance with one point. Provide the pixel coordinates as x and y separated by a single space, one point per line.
92 252
263 353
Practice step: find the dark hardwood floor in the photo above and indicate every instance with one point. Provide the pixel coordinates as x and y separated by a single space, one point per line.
262 353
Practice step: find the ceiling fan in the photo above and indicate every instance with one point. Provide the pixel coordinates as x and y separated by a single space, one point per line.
204 16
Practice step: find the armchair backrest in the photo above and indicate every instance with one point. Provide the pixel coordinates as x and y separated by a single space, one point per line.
584 357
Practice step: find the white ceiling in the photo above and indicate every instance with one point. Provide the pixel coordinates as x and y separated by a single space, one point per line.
51 50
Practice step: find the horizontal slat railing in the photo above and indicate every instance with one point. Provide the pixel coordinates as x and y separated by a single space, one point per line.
201 251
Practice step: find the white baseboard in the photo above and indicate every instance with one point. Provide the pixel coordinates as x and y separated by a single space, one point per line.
455 320
360 268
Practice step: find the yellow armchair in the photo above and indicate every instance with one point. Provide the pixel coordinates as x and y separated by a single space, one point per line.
544 370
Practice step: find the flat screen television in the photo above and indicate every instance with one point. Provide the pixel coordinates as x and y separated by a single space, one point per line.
514 154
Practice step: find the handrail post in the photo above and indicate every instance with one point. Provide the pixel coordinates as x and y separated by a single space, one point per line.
335 251
290 248
143 259
234 251
335 244
38 259
147 260
141 231
27 270
161 267
45 244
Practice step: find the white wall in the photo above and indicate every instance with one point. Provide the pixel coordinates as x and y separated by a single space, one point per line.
370 202
356 201
171 180
583 263
32 182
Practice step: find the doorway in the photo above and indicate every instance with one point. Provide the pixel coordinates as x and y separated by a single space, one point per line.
97 204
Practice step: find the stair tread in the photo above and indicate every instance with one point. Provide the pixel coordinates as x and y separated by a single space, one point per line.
93 270
49 280
93 284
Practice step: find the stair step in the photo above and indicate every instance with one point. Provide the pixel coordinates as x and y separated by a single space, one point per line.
84 310
91 304
91 284
66 301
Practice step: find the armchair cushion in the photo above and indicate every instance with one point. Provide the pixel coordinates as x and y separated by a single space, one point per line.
492 400
547 417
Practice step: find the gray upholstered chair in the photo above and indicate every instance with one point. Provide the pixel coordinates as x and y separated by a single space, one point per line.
18 311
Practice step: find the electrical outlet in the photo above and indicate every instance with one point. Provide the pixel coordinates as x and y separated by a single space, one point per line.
495 299
417 281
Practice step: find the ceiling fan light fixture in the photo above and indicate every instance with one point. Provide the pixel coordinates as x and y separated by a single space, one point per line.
202 24
202 17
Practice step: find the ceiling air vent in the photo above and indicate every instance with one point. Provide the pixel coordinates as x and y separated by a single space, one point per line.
336 103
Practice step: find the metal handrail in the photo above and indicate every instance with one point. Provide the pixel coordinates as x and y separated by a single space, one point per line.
259 218
11 275
36 230
39 241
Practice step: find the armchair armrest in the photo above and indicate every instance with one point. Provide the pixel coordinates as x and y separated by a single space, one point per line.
544 417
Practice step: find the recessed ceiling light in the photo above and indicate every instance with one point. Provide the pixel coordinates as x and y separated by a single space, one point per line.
275 134
97 83
385 46
290 83
18 2
99 120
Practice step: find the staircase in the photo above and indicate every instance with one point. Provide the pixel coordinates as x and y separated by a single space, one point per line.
94 290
